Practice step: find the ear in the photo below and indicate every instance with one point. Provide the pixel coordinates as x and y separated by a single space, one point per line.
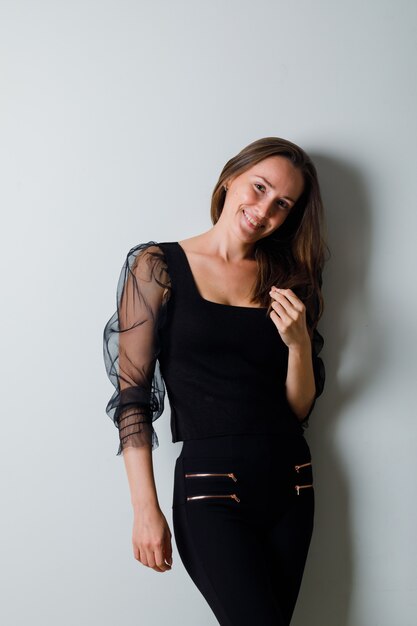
227 183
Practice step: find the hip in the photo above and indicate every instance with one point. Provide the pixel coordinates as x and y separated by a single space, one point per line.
248 470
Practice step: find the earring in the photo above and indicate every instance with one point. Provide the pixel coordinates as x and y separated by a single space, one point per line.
225 188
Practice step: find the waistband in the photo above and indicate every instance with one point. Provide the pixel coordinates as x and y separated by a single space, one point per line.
254 446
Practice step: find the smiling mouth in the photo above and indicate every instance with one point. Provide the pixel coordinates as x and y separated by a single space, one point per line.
251 221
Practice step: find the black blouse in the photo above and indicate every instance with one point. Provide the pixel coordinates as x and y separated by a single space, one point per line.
223 367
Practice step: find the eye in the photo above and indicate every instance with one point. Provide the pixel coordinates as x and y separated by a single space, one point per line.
257 185
284 204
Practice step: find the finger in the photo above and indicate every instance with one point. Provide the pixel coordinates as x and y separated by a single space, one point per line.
290 295
277 320
151 560
286 305
285 302
142 558
282 312
168 550
136 552
160 560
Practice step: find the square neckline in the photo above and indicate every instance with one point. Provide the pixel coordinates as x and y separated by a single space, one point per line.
211 302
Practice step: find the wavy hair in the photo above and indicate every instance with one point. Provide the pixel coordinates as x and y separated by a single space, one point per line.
293 256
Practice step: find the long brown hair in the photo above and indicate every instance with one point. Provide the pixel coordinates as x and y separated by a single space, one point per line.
293 256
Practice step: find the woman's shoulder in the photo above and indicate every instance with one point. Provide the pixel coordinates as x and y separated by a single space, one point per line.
146 263
146 256
148 252
150 246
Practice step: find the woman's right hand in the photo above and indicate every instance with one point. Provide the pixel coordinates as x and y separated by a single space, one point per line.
151 539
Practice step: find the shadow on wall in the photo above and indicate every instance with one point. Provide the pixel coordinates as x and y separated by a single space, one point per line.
352 354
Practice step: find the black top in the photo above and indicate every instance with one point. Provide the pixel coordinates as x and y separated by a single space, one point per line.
223 367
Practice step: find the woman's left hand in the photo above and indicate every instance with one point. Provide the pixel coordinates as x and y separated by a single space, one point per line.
289 316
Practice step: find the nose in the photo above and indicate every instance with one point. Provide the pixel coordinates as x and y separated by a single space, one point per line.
263 209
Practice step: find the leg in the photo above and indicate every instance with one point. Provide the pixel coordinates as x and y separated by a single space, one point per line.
246 556
287 543
228 563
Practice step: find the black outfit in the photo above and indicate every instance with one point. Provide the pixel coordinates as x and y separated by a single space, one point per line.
242 508
245 555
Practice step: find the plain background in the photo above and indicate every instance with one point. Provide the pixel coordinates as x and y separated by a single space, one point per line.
116 119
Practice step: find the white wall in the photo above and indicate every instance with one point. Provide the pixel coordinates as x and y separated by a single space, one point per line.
116 118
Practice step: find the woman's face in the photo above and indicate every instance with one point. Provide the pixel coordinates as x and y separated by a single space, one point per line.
259 200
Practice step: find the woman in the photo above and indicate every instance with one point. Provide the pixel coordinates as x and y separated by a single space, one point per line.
225 322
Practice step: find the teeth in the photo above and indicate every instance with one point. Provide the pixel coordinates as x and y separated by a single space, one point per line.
252 221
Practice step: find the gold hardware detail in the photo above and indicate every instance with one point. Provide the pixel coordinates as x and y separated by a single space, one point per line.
297 467
230 475
228 495
298 487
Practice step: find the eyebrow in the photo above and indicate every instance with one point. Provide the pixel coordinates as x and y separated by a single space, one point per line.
272 187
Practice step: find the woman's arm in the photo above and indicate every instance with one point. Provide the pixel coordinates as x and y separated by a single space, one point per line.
131 348
305 369
151 536
300 384
139 468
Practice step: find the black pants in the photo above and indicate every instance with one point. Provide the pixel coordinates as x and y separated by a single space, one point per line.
241 525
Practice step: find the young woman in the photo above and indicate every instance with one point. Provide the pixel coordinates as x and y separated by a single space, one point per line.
226 323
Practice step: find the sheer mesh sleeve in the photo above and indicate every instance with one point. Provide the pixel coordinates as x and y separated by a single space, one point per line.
131 344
